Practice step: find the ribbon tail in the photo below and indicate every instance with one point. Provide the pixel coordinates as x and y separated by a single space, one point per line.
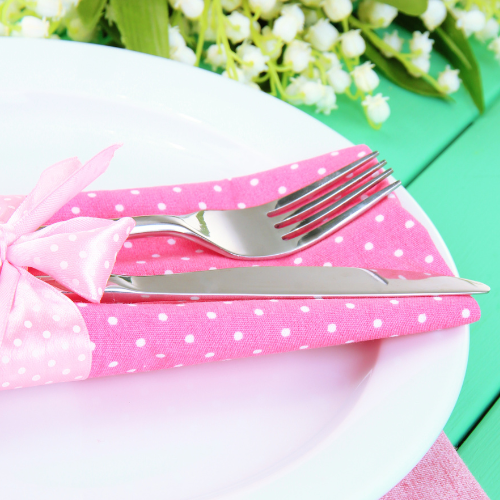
9 278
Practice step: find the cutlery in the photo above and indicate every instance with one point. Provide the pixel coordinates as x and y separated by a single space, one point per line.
281 282
283 226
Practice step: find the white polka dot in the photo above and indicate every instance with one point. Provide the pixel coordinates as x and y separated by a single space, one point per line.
304 309
113 364
21 370
202 205
194 298
100 291
119 208
177 189
259 312
171 241
401 277
106 264
134 191
155 255
52 363
282 190
140 262
81 357
66 371
72 237
75 210
349 305
409 224
189 339
56 318
112 320
398 252
298 260
199 250
209 355
369 246
285 332
335 153
162 317
241 205
361 154
438 298
217 188
349 341
28 324
429 259
116 238
91 195
92 346
83 254
238 335
132 370
303 347
162 206
77 329
332 328
379 218
339 239
160 355
394 301
5 384
140 342
327 264
422 318
377 323
127 244
5 359
36 378
294 166
63 264
257 351
465 313
348 176
79 377
46 334
322 171
254 182
54 248
168 271
37 260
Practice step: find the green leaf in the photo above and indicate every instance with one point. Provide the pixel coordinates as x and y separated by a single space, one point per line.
396 72
452 43
410 7
143 25
90 11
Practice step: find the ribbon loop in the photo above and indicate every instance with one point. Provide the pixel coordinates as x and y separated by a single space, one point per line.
7 237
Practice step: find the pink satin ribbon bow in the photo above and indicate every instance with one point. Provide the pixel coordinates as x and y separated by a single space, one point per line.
43 337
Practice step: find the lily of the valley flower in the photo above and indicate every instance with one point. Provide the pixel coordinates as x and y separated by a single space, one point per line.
377 14
422 63
420 43
322 35
237 27
327 102
230 5
470 21
32 27
394 41
271 44
262 5
48 8
434 15
365 78
337 10
489 31
448 80
184 55
192 9
298 55
331 60
289 23
352 43
216 56
254 61
339 79
495 47
377 108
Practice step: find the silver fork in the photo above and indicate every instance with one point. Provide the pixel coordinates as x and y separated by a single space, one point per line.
280 227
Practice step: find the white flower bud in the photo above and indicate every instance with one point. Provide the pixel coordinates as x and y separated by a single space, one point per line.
377 14
216 56
293 92
434 15
230 5
48 8
184 55
394 41
353 44
322 35
252 85
32 27
262 5
311 16
78 31
237 27
272 13
420 43
327 102
240 75
337 10
285 28
339 79
192 9
495 47
365 78
312 91
271 45
332 60
422 62
296 13
470 21
175 39
489 31
253 58
448 80
376 108
298 55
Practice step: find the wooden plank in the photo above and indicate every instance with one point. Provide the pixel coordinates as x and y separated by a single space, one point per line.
419 127
459 192
481 452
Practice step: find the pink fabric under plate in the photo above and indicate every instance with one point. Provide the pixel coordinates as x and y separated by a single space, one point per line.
154 336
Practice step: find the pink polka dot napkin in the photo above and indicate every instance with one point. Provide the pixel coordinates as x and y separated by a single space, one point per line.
154 336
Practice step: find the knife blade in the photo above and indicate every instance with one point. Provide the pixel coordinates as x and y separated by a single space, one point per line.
281 282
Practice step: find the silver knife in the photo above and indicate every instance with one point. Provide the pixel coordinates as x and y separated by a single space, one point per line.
281 282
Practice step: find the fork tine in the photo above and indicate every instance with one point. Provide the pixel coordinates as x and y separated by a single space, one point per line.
346 217
301 196
313 206
325 214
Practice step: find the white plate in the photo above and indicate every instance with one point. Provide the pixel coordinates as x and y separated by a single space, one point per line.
346 423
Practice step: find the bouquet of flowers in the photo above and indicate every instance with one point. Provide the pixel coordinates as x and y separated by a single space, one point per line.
304 52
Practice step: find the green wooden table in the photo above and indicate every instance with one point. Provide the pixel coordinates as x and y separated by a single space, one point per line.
446 156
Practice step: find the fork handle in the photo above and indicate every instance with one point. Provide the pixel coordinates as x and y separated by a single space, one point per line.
161 225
